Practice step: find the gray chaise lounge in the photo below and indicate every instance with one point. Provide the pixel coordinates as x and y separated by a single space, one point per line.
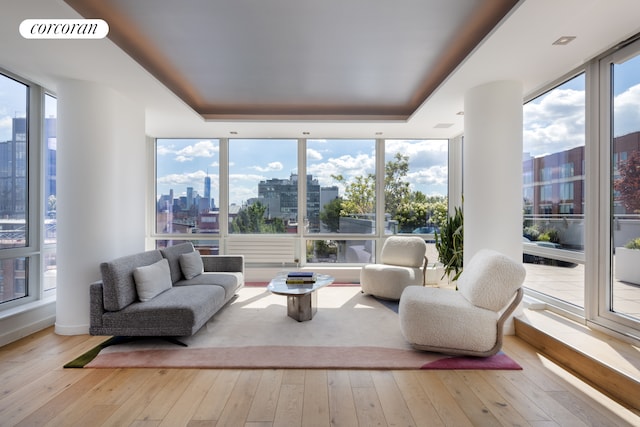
180 307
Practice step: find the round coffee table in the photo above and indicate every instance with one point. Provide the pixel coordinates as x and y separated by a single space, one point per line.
301 298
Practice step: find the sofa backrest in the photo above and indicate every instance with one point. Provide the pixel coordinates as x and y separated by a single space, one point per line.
172 254
118 285
491 279
406 251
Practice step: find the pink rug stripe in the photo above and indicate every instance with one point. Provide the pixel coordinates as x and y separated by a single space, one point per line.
264 284
266 357
497 361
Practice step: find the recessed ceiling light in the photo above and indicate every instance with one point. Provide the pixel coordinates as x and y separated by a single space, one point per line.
306 133
378 133
564 40
233 132
443 125
460 113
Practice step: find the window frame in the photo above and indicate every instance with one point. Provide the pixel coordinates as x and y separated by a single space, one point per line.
35 249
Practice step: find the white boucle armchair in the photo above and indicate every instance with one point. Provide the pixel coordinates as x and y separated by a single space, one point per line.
468 321
402 263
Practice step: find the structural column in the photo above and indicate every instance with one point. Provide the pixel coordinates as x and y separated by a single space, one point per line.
492 171
101 177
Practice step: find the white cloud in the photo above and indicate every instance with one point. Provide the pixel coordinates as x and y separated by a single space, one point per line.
627 111
6 126
200 149
271 167
188 179
554 122
313 154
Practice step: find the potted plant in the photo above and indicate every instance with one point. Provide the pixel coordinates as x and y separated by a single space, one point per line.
449 244
627 259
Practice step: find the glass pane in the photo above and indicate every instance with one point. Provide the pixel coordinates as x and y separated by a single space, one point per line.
50 181
341 186
187 185
50 272
263 186
416 179
13 279
553 192
205 247
625 187
13 163
340 251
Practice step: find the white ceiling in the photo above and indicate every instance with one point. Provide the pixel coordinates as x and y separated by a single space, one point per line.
520 48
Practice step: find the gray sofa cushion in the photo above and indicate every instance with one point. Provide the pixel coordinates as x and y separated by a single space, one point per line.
152 280
231 282
180 311
172 254
191 264
119 287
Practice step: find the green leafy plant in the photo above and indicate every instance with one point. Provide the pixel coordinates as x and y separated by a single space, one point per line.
633 244
449 244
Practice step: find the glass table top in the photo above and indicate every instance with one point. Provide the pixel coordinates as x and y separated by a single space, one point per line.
279 285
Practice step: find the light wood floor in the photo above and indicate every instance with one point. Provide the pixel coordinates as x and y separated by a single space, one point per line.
35 390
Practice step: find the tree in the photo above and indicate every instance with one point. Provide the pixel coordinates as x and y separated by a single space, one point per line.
396 188
359 195
628 185
330 215
250 220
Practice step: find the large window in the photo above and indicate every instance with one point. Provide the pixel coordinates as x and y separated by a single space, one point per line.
553 197
299 215
415 184
14 191
27 192
187 186
263 186
622 296
341 186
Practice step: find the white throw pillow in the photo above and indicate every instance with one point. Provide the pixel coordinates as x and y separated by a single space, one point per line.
191 264
152 280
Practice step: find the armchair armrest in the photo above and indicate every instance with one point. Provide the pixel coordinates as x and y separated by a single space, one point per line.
223 263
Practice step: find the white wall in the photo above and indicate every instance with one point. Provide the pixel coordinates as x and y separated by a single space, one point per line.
101 191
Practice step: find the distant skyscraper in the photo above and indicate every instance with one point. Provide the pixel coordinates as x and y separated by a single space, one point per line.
207 194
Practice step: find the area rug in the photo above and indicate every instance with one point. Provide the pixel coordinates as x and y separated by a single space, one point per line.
349 331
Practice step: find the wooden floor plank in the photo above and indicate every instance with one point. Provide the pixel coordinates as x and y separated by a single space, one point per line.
185 407
496 403
394 407
263 407
315 408
290 405
59 410
444 403
416 399
342 408
368 406
214 401
160 405
237 408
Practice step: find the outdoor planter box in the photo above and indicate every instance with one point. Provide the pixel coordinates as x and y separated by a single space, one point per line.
627 262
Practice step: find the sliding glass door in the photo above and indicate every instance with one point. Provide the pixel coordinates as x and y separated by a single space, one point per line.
620 298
